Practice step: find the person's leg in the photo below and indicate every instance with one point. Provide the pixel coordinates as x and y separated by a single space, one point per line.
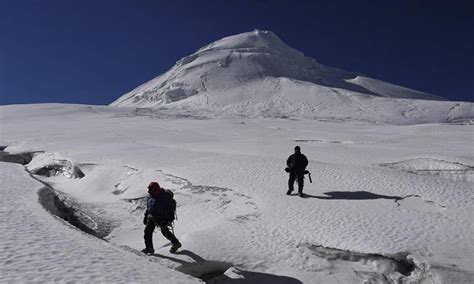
300 183
150 227
291 182
175 244
165 230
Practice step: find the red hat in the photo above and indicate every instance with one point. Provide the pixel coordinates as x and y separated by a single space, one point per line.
154 188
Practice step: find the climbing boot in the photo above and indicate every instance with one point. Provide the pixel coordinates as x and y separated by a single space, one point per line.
175 247
148 250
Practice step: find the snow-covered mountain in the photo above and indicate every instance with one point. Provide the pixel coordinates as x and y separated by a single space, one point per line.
256 73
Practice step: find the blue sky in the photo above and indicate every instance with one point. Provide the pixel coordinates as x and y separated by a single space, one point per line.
92 52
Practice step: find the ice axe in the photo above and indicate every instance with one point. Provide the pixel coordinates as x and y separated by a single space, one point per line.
309 175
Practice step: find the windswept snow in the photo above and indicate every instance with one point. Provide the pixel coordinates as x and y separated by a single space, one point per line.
257 74
366 217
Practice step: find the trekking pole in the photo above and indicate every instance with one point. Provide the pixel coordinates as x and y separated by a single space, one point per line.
310 180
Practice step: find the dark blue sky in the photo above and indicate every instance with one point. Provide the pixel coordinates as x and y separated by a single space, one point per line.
93 51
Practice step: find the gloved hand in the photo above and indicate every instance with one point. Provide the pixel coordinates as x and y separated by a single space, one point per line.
287 170
145 220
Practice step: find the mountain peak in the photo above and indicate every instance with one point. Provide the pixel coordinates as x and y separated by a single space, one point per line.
257 73
254 41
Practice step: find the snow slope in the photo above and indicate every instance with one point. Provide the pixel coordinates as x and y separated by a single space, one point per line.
37 247
257 74
368 216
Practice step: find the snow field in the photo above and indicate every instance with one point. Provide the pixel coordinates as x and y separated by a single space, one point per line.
228 179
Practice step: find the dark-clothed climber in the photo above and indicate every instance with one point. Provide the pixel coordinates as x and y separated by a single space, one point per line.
296 167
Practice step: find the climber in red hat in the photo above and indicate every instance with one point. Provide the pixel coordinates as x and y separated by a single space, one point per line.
161 208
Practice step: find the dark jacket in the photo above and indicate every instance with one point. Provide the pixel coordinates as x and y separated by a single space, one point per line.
160 208
297 163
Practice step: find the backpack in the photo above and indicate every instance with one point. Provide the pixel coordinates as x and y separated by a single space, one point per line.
172 206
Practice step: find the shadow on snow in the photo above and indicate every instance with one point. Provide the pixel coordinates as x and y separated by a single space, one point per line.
213 271
353 195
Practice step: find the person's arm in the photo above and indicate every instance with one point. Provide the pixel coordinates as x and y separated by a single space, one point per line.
305 161
288 162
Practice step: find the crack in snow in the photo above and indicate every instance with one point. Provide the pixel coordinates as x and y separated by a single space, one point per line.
369 267
431 166
60 167
20 158
322 141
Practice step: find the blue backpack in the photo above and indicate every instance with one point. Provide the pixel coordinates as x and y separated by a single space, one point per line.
162 208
